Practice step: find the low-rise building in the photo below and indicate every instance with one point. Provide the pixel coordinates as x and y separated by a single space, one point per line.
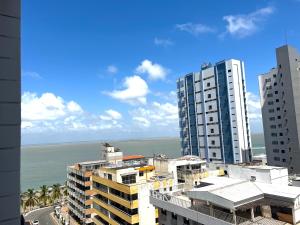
225 200
259 173
122 192
187 170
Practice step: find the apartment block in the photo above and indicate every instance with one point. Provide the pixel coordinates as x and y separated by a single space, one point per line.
224 200
10 112
213 117
80 191
279 91
122 192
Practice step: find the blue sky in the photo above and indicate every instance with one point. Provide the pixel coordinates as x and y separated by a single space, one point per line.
95 70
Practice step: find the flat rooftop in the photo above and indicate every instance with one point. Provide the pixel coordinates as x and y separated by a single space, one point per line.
232 193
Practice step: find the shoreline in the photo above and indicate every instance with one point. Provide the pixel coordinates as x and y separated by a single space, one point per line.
96 141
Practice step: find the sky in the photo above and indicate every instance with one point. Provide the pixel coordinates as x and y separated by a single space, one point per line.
107 70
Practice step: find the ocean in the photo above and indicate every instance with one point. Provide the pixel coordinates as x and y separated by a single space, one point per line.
46 164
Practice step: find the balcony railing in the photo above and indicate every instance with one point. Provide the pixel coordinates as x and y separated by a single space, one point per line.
200 209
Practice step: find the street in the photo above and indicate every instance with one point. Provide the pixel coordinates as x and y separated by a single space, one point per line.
42 215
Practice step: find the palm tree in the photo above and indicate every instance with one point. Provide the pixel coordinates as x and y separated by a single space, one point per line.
43 195
22 201
31 199
65 192
56 194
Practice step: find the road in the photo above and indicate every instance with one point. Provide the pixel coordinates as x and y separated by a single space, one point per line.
42 215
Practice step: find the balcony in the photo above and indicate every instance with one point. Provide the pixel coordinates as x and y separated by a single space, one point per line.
201 214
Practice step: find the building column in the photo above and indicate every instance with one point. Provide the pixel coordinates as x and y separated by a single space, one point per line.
234 217
294 216
252 214
211 210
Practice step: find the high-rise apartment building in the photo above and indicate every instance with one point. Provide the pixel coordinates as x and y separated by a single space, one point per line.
213 113
280 94
80 191
10 112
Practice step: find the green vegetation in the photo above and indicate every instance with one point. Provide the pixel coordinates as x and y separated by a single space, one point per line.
44 196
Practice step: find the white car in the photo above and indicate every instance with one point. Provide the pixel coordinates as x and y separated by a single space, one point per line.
35 222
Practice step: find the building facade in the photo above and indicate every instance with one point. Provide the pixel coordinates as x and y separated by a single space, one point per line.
10 116
80 191
122 193
213 117
225 200
279 92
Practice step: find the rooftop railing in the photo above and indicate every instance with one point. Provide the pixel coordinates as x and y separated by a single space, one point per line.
201 209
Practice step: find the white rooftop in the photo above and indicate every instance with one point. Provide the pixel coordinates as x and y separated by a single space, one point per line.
232 193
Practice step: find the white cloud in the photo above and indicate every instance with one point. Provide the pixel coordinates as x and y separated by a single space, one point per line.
112 69
49 112
163 42
111 115
154 71
134 92
74 107
169 96
156 114
246 24
254 112
46 107
195 29
141 121
254 106
31 74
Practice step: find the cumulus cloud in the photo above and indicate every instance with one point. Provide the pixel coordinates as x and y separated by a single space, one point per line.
134 92
254 106
163 42
112 69
46 107
195 28
156 114
254 112
49 112
111 115
154 71
246 24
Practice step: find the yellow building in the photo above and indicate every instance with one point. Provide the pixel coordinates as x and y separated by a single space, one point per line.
122 192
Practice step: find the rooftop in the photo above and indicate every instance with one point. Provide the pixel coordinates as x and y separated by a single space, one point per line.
132 157
232 193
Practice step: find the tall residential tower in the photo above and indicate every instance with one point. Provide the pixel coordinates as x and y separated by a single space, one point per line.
213 113
10 112
279 91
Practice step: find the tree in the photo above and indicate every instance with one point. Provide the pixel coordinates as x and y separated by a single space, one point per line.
44 195
56 194
31 199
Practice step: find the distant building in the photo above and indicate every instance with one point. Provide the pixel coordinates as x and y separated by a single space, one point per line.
226 200
213 113
279 92
10 112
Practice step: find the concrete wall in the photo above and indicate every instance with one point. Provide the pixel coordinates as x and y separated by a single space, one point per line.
279 91
271 176
180 211
10 112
